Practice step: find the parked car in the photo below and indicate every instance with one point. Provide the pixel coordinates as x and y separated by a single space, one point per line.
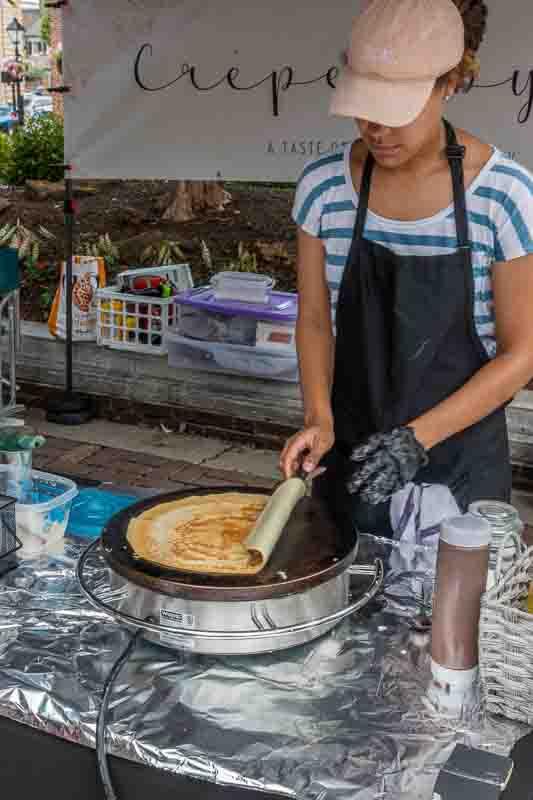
40 105
8 119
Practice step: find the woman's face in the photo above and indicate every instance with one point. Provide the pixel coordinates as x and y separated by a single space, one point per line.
396 147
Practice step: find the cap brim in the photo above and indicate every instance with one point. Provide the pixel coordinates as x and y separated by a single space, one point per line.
389 103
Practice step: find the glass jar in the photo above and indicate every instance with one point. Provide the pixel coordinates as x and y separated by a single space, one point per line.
503 520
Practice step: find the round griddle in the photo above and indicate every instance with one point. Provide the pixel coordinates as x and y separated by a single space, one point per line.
311 550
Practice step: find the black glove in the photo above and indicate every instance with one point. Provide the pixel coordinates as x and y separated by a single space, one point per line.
385 464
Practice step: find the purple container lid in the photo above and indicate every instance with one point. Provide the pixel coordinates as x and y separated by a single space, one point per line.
282 306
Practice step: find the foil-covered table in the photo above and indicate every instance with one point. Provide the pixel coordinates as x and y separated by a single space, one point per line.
343 717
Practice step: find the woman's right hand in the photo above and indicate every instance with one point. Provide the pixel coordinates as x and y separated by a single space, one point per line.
306 449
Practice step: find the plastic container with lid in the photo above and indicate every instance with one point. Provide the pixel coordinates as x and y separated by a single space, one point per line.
270 325
244 287
43 516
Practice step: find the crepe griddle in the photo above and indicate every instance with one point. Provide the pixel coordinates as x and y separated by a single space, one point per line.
311 550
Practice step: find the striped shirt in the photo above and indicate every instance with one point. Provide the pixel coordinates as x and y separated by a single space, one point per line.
500 214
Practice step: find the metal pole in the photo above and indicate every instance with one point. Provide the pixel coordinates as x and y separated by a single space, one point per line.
69 258
70 408
20 104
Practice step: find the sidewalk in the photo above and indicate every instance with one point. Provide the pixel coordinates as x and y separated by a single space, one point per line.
155 458
145 457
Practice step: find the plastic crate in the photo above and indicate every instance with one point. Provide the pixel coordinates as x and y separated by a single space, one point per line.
179 275
129 322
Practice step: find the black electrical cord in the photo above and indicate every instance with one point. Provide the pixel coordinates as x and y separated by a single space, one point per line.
103 766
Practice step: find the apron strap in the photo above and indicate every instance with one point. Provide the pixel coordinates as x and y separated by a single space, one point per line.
364 197
455 154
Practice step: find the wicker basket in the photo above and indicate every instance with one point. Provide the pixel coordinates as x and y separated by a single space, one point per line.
506 638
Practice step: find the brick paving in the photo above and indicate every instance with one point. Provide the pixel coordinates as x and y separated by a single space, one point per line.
88 462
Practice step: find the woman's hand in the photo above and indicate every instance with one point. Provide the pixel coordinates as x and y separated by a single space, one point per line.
384 464
306 449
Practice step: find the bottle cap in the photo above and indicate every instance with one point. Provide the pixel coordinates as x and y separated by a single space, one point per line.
469 531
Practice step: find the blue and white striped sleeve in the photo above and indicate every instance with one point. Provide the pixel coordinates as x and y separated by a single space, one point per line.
307 210
515 235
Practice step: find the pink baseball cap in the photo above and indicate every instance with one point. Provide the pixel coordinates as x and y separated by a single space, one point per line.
398 50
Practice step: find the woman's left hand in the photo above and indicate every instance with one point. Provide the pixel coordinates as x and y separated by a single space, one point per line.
385 463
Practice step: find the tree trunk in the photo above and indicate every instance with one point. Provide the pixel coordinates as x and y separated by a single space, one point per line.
189 198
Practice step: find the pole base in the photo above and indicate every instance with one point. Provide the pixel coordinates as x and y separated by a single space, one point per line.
70 409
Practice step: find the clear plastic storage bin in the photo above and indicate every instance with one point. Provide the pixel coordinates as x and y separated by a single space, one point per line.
270 325
256 339
184 353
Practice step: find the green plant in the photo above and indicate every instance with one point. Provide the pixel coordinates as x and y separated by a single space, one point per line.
27 243
33 73
162 254
245 261
46 29
36 152
46 298
5 157
104 248
38 275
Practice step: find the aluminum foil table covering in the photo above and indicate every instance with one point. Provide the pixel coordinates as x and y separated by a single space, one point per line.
342 717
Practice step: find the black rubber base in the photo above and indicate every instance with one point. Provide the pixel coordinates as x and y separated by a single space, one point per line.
70 409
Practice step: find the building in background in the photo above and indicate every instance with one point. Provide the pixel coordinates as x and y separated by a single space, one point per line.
38 56
34 49
56 41
7 51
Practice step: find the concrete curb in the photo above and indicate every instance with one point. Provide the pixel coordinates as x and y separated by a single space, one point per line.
148 379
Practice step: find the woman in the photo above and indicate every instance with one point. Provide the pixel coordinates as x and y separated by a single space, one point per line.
426 233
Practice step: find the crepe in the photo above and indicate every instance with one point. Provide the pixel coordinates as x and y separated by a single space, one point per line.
222 534
200 534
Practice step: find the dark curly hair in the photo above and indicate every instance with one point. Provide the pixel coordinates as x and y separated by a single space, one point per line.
474 14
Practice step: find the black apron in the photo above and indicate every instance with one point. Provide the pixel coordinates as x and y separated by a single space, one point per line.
406 340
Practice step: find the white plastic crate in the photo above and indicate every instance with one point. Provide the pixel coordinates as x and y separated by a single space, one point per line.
179 275
133 322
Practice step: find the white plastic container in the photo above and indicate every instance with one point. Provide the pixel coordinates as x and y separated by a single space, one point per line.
244 287
271 364
179 275
43 518
132 322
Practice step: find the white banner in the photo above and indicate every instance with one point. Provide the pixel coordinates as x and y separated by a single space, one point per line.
239 89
